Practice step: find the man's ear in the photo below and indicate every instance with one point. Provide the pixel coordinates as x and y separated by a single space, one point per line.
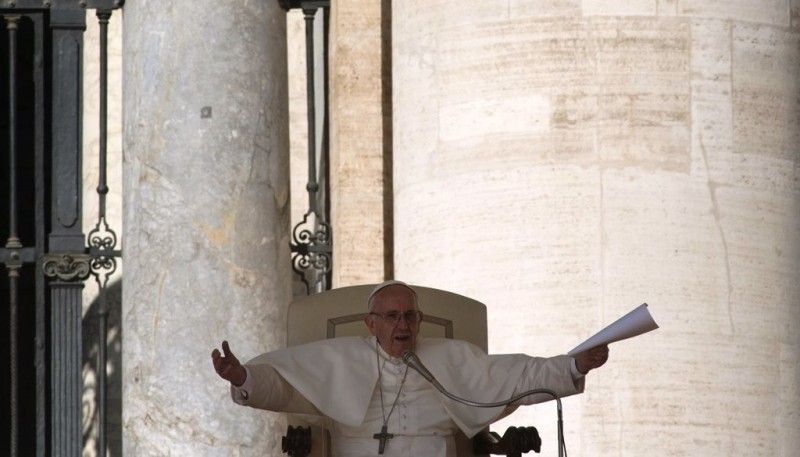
369 321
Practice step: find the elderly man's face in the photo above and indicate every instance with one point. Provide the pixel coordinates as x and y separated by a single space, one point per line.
389 303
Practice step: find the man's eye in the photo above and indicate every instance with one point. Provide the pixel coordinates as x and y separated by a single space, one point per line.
392 316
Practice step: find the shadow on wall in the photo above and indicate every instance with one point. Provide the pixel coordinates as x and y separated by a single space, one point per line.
91 336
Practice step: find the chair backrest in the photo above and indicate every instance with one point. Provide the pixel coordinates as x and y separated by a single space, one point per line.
340 312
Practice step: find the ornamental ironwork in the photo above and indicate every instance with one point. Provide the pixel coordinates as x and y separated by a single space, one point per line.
67 267
312 238
42 50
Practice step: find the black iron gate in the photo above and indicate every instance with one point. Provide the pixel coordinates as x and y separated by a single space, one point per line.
44 252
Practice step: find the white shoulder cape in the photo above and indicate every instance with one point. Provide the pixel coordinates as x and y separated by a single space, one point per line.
339 376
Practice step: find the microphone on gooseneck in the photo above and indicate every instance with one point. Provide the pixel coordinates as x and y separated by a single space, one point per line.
414 362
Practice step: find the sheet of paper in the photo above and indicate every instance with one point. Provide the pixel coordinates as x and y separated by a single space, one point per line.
634 323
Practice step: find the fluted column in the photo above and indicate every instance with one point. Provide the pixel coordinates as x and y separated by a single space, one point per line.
65 264
206 219
566 161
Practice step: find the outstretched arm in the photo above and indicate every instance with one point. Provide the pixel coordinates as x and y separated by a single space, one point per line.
267 389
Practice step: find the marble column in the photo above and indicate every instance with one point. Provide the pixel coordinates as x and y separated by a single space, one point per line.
206 219
565 161
360 134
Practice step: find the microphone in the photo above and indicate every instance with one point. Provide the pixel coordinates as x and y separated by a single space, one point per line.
414 362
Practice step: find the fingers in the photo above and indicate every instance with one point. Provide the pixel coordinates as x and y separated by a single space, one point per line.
226 364
599 349
593 358
219 362
229 357
598 355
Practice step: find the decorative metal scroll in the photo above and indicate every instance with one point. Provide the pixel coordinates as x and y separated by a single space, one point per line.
102 252
66 267
312 250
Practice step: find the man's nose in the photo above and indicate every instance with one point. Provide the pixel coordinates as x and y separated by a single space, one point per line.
402 322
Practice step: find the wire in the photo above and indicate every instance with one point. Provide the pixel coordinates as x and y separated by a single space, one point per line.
413 361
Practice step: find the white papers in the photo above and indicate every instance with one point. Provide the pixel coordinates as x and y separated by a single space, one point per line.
632 324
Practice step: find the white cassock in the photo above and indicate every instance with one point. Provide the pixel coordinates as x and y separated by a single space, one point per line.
337 379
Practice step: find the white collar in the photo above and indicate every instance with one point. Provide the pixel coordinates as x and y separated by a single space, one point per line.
383 354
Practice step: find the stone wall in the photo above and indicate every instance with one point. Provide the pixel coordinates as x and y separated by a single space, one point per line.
361 201
564 162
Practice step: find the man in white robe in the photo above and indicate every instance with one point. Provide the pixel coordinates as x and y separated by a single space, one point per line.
373 404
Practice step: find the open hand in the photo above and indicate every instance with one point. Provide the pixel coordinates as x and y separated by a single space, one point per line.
227 366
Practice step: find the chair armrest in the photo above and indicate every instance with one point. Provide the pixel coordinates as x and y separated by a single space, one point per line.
515 442
297 442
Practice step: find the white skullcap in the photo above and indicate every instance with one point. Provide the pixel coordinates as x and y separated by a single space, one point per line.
384 284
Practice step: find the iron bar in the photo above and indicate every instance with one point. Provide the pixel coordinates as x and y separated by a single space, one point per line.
311 246
102 189
312 185
12 24
40 246
13 281
13 243
74 4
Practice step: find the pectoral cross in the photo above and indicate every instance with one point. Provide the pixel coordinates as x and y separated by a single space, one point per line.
382 437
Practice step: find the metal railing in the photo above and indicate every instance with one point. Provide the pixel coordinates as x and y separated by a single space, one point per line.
46 256
312 238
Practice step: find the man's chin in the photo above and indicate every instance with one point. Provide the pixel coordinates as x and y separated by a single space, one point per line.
400 347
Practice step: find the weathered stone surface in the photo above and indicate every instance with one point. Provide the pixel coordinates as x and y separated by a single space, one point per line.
773 12
359 140
564 168
206 219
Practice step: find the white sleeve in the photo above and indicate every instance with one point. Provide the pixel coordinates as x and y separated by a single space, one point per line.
554 373
573 368
241 394
264 388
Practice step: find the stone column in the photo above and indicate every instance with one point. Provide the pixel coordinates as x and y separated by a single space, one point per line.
360 141
564 162
206 219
